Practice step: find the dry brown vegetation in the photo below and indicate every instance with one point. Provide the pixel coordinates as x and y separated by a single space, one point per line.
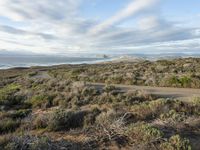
165 73
51 108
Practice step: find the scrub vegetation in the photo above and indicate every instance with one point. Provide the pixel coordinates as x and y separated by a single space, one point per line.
54 108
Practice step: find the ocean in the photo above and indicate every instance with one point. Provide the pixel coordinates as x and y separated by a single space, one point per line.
28 61
12 61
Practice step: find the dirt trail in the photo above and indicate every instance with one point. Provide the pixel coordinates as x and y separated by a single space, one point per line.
42 75
159 91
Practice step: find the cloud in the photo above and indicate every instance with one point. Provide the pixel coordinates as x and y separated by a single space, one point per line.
21 10
151 34
49 26
149 30
20 32
130 10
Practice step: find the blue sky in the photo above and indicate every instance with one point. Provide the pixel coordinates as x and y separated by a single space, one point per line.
100 26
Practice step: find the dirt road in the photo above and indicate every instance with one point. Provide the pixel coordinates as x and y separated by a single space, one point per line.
159 91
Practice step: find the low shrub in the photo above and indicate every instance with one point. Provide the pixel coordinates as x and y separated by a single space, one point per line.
143 133
107 118
4 140
90 118
195 106
22 113
134 97
40 121
31 74
115 79
173 116
176 143
185 108
35 142
89 91
26 142
196 101
109 88
42 101
150 110
185 81
176 81
15 114
8 95
65 120
8 125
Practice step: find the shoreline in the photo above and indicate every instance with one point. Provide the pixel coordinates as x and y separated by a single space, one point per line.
122 59
55 64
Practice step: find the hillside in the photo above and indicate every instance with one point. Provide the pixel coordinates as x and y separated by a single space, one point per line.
66 107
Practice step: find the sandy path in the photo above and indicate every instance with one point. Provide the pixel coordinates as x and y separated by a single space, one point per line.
160 91
42 75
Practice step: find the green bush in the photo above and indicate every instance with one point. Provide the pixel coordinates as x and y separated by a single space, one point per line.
185 81
174 116
150 110
8 125
20 113
65 120
185 108
195 106
42 101
143 133
196 101
135 97
8 97
31 74
176 81
176 143
15 114
89 91
115 79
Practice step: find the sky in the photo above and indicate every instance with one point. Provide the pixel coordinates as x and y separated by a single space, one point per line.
100 26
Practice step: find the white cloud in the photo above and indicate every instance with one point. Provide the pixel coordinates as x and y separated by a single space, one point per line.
23 10
148 23
130 10
51 26
197 32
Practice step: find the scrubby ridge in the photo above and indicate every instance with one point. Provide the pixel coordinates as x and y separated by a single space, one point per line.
57 112
163 73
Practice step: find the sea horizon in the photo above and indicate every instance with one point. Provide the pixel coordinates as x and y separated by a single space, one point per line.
7 62
12 61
